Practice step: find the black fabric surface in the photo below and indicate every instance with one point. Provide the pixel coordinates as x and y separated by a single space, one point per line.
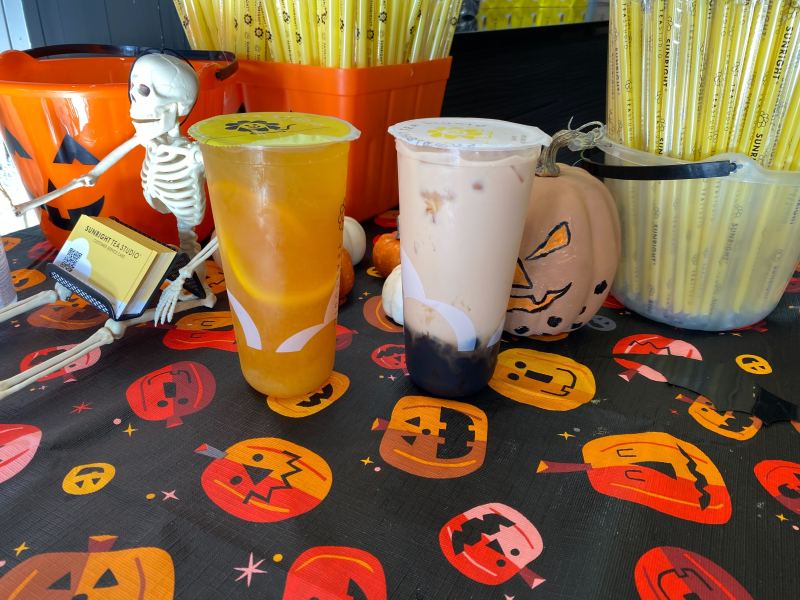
592 541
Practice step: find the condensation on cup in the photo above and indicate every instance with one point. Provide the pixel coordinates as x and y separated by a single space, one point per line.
464 190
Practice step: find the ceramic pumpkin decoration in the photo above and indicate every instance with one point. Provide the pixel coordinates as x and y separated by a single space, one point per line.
570 246
100 574
386 253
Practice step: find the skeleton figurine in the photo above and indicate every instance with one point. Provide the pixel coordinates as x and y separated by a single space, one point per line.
163 89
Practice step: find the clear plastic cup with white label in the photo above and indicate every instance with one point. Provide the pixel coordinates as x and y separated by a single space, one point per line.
464 190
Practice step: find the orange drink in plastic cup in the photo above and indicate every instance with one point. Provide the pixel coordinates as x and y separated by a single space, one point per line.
277 183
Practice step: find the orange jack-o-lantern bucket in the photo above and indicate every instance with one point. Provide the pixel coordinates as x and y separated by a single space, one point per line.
60 116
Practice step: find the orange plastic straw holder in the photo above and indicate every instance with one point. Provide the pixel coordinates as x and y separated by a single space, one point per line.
371 98
60 116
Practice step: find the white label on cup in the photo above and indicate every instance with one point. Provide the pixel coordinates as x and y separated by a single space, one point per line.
299 340
251 335
462 325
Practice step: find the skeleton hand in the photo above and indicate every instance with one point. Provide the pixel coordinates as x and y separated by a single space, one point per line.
170 296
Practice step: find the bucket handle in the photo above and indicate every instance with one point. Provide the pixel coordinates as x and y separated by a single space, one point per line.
695 170
135 51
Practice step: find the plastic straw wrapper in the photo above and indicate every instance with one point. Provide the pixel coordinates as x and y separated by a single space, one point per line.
322 31
436 31
334 33
207 10
299 32
702 15
194 25
715 74
418 38
274 30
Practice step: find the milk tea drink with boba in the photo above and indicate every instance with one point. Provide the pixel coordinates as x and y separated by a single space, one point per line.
464 190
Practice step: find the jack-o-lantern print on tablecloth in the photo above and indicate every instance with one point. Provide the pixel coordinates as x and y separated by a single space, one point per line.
264 480
651 343
99 574
42 251
172 392
10 242
205 329
434 438
491 543
656 470
70 315
67 372
727 423
781 479
335 573
669 573
22 279
88 479
215 278
309 404
344 337
18 444
541 379
375 315
390 356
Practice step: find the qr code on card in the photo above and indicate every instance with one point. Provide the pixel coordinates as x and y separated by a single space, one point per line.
70 260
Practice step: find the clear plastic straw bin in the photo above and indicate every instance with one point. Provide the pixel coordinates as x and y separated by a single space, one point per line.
707 245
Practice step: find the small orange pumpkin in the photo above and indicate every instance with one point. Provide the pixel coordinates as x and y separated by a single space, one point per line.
386 253
347 277
570 247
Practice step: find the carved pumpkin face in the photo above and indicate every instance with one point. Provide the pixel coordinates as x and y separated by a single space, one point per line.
656 470
10 242
70 315
42 251
435 438
99 574
264 480
206 329
172 392
88 479
730 424
66 372
669 573
492 543
309 404
781 479
335 573
649 343
22 279
344 337
541 379
18 444
568 256
390 356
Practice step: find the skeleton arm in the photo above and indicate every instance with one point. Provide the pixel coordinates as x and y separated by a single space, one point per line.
87 180
169 297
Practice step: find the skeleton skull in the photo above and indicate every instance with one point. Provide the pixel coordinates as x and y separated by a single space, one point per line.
162 89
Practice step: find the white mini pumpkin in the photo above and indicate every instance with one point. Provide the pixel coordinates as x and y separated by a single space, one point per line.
392 296
355 240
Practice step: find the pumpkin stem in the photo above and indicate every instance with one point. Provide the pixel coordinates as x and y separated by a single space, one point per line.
574 139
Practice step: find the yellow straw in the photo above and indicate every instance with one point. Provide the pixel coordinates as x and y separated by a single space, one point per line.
758 91
206 8
381 27
715 72
438 23
322 31
783 76
418 39
451 30
788 143
348 34
334 34
274 32
364 20
412 21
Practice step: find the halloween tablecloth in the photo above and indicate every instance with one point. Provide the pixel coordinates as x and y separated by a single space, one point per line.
151 466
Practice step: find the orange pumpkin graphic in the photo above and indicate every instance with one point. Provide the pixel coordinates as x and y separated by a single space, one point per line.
541 379
309 404
98 574
727 423
22 279
10 242
70 315
434 438
656 470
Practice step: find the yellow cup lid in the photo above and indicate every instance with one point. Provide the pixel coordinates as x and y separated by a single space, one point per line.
272 129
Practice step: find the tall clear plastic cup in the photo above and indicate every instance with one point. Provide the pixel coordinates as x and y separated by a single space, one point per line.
277 183
464 190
